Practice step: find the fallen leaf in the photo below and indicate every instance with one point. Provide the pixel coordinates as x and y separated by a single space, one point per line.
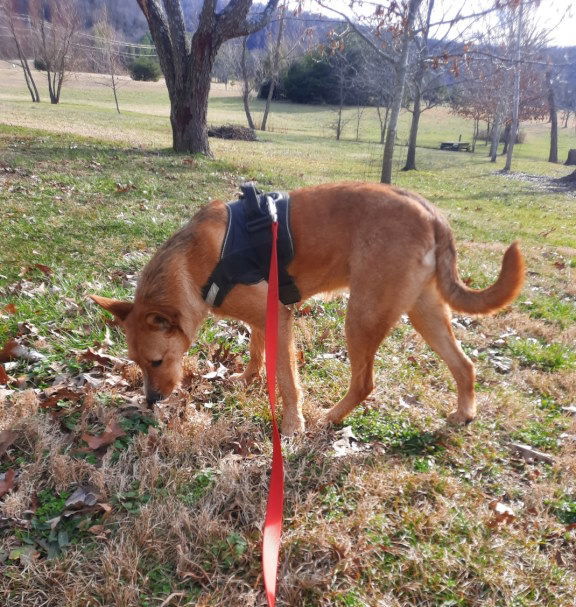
98 356
112 432
4 379
57 393
7 438
502 513
9 308
219 373
14 350
7 483
560 265
81 498
98 530
24 554
44 269
125 187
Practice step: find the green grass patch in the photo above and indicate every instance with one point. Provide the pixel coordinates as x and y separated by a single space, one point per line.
553 309
396 433
539 355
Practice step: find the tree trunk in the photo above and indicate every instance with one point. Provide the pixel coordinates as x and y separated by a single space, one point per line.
553 155
30 83
52 86
475 133
339 123
507 131
401 71
246 85
496 129
571 160
275 64
416 113
516 95
383 123
28 77
189 104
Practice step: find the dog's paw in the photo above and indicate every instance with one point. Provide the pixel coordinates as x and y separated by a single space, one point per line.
460 418
292 425
245 378
327 420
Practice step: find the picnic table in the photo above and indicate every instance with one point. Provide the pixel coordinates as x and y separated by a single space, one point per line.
455 146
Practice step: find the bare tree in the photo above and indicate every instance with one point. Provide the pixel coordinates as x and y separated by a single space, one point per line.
551 79
55 24
249 71
187 61
275 71
108 52
19 33
422 59
517 36
398 21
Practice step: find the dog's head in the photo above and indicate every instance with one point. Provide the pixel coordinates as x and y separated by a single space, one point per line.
156 342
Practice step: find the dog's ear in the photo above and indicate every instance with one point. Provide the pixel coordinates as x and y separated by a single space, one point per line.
162 320
120 309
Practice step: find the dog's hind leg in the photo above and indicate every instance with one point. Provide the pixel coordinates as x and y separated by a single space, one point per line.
431 318
366 327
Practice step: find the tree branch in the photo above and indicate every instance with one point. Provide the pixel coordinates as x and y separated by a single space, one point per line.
160 32
234 20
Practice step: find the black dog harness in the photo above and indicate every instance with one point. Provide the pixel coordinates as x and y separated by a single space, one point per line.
245 256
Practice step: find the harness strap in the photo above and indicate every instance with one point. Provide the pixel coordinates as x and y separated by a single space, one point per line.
259 212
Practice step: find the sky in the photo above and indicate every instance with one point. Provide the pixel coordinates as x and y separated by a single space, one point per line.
557 14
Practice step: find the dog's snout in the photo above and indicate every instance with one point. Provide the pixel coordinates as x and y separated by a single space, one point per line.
153 397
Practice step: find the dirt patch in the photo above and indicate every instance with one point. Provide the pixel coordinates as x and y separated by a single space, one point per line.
564 185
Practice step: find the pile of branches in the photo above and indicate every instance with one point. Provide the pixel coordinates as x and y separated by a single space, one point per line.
232 131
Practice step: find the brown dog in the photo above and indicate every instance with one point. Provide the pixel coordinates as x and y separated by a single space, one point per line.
391 248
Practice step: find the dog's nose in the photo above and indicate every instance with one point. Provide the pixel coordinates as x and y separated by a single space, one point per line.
153 397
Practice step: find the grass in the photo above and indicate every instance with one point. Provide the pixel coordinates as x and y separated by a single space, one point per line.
402 520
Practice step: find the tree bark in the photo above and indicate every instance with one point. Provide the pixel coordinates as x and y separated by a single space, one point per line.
417 109
246 85
416 113
571 160
496 130
507 131
401 70
516 95
383 123
553 155
275 65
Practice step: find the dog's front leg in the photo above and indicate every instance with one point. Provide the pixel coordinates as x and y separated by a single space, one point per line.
288 377
254 367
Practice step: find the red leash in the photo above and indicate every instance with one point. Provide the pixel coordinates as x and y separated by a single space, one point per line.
273 521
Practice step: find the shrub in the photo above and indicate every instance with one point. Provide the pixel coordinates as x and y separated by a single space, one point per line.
40 64
144 68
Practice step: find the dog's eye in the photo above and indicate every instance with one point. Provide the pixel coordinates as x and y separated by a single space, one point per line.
156 363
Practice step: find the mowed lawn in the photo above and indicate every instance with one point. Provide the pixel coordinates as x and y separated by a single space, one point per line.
105 505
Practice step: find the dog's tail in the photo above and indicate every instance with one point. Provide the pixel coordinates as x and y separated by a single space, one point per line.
472 301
